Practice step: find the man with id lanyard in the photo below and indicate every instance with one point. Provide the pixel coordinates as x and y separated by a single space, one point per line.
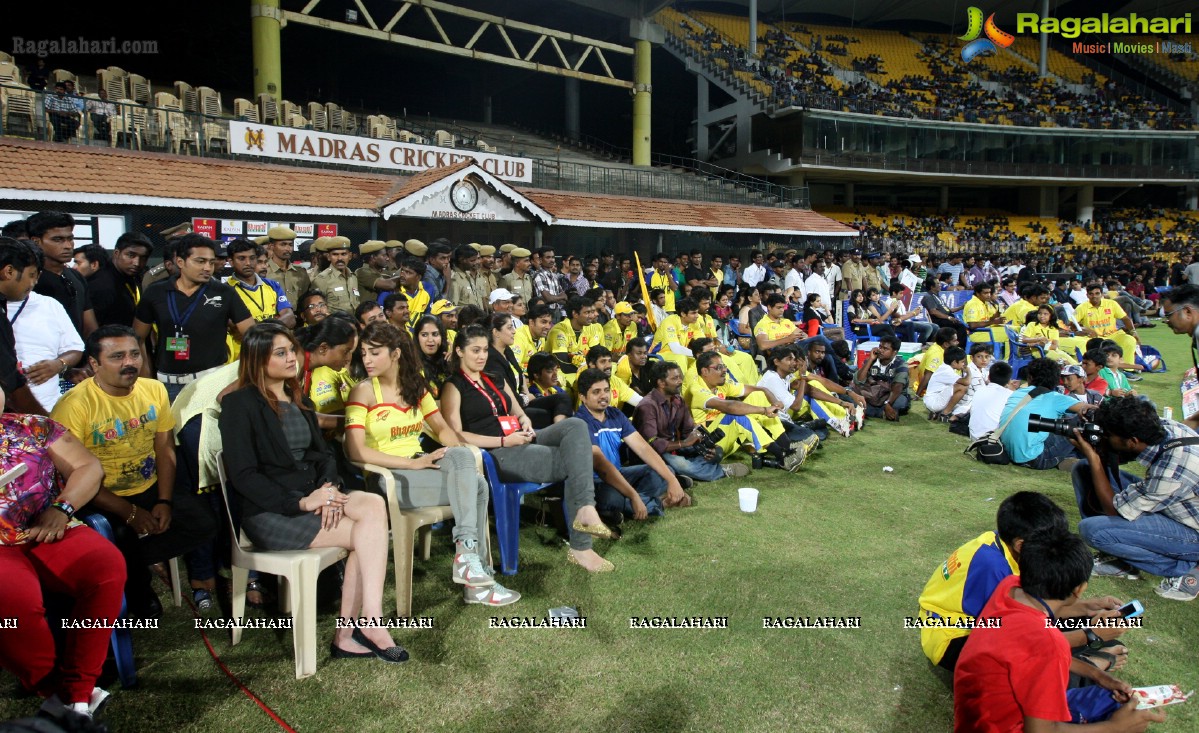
193 313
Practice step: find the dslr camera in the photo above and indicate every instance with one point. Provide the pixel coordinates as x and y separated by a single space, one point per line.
707 442
1065 427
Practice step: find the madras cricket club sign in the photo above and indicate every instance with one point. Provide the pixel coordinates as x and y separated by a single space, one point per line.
291 143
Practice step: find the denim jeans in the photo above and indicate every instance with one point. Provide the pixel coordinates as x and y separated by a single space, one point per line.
1056 450
902 405
920 331
645 481
1154 543
697 468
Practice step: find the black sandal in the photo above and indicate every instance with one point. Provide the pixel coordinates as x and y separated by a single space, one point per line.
255 587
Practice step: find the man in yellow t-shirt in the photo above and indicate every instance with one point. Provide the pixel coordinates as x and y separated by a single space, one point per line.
599 357
1104 318
746 413
530 338
934 357
672 335
1031 298
570 339
774 329
620 329
663 278
127 423
982 312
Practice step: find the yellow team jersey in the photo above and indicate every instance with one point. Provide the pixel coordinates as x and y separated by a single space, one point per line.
119 430
564 339
617 340
704 326
261 300
701 393
525 346
1104 319
389 428
1017 312
418 302
671 330
330 389
667 283
621 391
932 359
774 330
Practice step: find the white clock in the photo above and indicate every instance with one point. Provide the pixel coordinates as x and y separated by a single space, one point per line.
464 195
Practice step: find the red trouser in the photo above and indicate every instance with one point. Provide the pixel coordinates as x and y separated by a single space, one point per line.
86 567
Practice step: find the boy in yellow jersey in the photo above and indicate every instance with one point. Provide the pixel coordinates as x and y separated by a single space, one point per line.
662 278
632 367
620 329
962 585
263 298
1104 318
598 357
672 334
934 357
774 329
1032 296
982 312
413 290
530 338
570 339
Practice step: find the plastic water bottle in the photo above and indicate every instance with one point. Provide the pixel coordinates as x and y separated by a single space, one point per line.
1168 413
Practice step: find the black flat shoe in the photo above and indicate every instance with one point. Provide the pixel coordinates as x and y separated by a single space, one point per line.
394 655
338 653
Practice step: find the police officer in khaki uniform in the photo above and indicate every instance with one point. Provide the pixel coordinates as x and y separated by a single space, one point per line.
485 278
464 283
872 278
165 270
371 276
280 247
336 281
503 263
853 271
520 280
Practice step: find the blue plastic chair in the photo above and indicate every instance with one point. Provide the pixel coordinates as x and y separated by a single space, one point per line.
996 347
122 639
736 333
505 497
1015 359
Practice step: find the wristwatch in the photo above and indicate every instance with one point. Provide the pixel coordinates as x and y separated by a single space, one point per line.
1094 641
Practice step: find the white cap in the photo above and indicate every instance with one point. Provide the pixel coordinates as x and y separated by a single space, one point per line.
914 259
500 294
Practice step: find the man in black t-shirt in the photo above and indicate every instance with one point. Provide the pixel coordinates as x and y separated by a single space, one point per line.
53 231
696 275
115 289
193 312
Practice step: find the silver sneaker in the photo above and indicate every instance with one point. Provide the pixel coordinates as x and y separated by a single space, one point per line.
469 570
1107 566
490 595
1182 588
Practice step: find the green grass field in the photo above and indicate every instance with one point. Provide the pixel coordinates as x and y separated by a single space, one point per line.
841 538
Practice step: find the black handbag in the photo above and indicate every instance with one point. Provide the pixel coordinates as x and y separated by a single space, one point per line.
988 448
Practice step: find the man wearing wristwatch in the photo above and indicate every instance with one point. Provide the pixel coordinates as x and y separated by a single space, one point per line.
126 422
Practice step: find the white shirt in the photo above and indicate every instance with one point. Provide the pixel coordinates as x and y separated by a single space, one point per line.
794 279
832 273
817 284
978 380
1078 296
43 330
940 387
753 275
778 388
986 407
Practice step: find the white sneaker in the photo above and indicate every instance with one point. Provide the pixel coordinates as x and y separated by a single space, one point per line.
490 595
98 701
469 570
1182 588
859 417
53 707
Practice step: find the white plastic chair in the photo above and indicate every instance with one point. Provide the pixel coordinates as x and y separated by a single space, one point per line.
299 568
406 524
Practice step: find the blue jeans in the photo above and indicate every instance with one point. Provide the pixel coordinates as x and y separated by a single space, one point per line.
1056 450
902 405
645 481
917 331
1154 543
697 468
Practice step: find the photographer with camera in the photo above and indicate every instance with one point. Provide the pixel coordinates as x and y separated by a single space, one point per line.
664 419
1037 436
1150 524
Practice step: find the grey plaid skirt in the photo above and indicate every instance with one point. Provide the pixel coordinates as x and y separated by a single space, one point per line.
271 531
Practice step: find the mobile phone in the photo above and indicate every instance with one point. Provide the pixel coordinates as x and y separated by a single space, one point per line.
1132 609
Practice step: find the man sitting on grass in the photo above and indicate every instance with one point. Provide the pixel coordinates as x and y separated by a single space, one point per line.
1013 676
1151 524
934 357
1039 450
883 381
961 586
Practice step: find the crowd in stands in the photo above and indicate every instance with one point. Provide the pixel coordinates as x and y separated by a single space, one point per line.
949 90
626 387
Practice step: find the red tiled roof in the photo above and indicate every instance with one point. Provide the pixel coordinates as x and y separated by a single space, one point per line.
38 166
686 215
413 183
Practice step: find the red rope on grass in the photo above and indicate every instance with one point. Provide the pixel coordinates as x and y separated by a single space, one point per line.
248 692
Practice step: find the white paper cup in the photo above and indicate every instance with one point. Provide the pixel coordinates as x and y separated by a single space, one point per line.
748 499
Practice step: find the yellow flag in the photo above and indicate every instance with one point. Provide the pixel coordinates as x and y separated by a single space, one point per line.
649 307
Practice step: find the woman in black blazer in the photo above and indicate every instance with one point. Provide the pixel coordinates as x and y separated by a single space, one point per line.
286 479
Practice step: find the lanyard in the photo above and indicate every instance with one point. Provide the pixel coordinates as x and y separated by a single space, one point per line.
503 403
261 302
1052 618
24 303
181 322
134 292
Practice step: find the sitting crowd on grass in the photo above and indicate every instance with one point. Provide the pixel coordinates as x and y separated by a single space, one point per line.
624 389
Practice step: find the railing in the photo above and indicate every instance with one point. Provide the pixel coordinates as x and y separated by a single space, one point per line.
1177 172
23 114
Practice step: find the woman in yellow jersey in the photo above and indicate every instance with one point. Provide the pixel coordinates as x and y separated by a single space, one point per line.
1039 330
485 413
383 426
328 348
430 340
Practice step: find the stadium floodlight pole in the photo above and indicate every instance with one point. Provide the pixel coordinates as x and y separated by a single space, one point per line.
753 28
1043 62
268 68
641 102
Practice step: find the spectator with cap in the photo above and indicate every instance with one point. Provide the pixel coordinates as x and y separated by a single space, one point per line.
853 271
115 288
337 282
372 281
500 301
520 280
463 288
1074 384
620 329
447 314
280 246
873 277
486 277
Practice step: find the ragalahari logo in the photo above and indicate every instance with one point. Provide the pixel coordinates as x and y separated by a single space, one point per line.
995 37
